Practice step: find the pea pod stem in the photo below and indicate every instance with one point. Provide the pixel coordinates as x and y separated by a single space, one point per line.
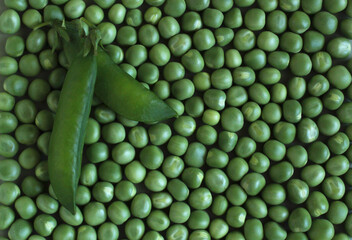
67 138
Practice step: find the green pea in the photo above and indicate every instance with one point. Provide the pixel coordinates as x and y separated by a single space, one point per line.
198 219
44 224
118 212
197 5
278 94
233 58
339 47
179 212
325 22
47 204
74 9
268 41
20 229
245 147
313 41
158 220
299 220
7 102
281 172
27 134
334 187
88 175
14 46
86 232
278 213
244 40
94 14
268 5
255 59
273 230
216 180
237 168
338 143
10 21
8 146
25 207
312 7
191 21
168 27
318 152
8 217
333 99
337 166
152 15
125 190
337 213
279 59
43 142
108 231
276 22
253 229
321 228
299 22
243 76
16 85
313 175
9 193
259 94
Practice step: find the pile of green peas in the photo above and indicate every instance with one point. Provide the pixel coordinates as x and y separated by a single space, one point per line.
261 147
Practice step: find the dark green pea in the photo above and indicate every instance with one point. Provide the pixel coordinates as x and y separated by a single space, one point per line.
8 122
216 180
345 28
273 230
291 42
244 40
307 131
108 231
8 146
232 119
269 76
259 131
198 219
317 204
219 205
333 99
214 58
36 41
279 60
284 132
43 142
14 46
259 93
321 228
318 152
299 220
29 65
8 217
236 96
16 85
25 207
236 216
339 47
312 7
215 99
313 175
337 166
243 76
256 208
255 59
274 149
245 147
10 21
278 213
312 107
278 94
313 41
168 27
155 181
193 61
334 187
318 85
195 155
254 19
259 163
253 229
38 90
299 22
7 102
338 143
31 186
178 189
20 229
233 58
300 64
268 41
212 18
126 35
47 204
276 22
192 177
273 194
191 21
253 183
9 193
158 220
297 155
224 36
337 213
271 112
281 172
325 22
321 62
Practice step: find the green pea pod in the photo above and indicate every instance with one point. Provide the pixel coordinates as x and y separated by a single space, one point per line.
115 88
125 95
67 138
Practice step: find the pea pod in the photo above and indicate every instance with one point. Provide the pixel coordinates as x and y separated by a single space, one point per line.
115 88
67 138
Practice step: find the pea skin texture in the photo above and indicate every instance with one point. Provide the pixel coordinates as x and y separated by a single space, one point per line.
260 148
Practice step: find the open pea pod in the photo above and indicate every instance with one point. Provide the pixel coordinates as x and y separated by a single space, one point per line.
117 89
67 137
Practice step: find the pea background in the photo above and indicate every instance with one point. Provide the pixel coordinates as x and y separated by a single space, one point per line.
243 132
